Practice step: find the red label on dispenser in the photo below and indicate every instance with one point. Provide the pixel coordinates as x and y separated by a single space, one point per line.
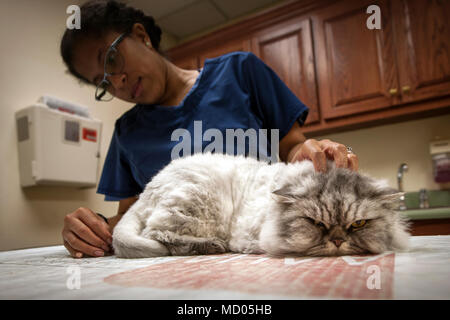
89 134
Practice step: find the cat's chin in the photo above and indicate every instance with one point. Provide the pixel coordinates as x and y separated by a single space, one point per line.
329 249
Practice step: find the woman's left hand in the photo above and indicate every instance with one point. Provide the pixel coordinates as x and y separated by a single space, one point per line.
319 150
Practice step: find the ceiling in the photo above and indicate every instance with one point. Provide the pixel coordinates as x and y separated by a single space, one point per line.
184 18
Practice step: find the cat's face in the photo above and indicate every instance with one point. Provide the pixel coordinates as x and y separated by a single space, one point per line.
338 213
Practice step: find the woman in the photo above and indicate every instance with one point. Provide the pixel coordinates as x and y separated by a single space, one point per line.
116 50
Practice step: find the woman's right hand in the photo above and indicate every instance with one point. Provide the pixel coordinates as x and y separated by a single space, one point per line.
85 233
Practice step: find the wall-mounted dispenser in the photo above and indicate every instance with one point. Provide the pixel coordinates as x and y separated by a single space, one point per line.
440 153
57 148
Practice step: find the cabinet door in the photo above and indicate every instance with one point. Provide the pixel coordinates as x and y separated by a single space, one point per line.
288 49
356 65
239 45
189 63
423 43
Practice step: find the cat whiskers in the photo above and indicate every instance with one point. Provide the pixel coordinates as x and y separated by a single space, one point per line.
317 250
357 248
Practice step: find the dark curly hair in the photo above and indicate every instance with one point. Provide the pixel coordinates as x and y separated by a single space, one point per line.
99 17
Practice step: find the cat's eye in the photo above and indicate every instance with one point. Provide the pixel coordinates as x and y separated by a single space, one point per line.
320 224
358 223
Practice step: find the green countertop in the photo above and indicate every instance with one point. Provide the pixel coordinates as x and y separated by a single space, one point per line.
432 213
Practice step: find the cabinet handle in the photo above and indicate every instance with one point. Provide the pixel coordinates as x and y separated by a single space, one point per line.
406 89
393 91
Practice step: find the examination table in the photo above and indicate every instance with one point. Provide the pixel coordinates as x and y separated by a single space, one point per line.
50 273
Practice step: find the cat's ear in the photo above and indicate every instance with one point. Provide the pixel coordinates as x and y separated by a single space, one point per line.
392 200
284 194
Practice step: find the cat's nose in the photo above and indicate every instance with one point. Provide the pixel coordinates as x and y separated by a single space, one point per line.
337 242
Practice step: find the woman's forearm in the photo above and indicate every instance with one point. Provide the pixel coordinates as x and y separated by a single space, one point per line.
112 221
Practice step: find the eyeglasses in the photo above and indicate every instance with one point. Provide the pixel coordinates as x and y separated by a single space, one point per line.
114 64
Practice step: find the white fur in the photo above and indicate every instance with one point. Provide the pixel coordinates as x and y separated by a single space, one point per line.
213 203
240 201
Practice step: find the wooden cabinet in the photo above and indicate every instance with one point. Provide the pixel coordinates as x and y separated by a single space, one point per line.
362 70
429 227
356 65
423 48
348 75
239 45
189 63
288 50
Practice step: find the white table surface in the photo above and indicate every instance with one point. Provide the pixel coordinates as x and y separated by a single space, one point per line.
50 273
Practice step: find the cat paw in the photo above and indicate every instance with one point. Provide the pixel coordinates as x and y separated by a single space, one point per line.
216 246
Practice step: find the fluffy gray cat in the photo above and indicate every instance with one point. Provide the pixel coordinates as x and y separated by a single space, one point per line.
215 203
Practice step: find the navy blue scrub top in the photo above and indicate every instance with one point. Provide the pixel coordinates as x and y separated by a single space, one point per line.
234 91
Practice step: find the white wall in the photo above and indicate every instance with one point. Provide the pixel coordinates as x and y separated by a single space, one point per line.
30 66
382 149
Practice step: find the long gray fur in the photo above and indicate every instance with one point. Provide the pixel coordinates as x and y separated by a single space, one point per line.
215 203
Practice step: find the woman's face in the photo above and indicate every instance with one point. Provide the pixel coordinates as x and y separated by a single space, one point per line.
143 79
